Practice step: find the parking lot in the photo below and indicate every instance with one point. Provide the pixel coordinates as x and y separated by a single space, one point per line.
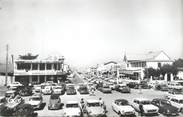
107 97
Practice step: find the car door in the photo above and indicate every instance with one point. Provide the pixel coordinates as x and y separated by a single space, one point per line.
136 105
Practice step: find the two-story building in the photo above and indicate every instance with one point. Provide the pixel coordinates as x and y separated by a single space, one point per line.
136 63
33 70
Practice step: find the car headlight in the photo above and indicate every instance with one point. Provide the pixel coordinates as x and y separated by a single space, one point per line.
168 111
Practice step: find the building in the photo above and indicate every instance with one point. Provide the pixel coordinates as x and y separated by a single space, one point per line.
33 70
136 63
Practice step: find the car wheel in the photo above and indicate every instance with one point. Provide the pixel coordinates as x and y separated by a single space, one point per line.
119 113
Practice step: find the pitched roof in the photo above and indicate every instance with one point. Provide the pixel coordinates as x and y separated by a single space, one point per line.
150 56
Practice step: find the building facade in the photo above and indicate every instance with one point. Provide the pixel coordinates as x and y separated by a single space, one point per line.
136 63
38 71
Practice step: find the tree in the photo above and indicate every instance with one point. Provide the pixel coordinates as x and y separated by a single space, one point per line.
169 69
151 72
178 63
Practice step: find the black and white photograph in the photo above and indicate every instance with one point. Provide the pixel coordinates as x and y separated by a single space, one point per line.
91 58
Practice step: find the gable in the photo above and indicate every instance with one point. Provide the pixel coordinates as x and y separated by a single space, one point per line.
162 56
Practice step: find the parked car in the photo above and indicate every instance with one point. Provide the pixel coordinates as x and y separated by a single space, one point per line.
132 84
148 108
83 89
176 101
24 90
175 91
122 107
161 87
47 90
37 89
57 90
112 86
36 101
124 89
2 100
14 84
71 91
54 102
72 109
106 89
165 107
94 109
174 85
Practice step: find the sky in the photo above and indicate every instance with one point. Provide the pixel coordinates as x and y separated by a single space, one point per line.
87 32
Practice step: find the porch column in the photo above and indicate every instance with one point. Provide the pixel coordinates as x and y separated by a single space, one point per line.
31 66
45 66
30 79
165 77
38 66
45 78
38 79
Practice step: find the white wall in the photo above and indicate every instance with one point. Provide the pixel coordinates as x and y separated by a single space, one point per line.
180 74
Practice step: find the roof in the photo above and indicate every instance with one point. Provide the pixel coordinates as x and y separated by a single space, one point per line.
72 102
141 99
92 101
110 62
150 56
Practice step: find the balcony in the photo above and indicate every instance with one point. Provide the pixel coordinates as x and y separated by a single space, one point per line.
38 72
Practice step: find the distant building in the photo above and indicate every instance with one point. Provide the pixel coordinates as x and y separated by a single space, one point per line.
136 63
34 70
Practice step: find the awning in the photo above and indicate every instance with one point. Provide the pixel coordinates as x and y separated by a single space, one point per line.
129 72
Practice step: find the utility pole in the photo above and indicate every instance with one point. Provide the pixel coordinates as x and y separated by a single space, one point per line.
6 77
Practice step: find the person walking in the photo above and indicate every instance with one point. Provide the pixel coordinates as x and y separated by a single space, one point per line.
141 109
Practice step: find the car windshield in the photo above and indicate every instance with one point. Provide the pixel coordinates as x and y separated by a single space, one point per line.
57 88
54 96
35 99
72 105
95 104
122 103
181 101
106 86
145 102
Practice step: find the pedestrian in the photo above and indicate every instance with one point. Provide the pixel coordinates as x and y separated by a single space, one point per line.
141 109
82 103
101 101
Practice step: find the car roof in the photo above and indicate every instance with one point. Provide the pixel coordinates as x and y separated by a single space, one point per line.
141 99
92 100
1 97
10 91
72 102
121 100
179 97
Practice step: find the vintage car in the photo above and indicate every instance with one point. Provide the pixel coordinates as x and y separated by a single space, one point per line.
36 101
148 108
14 84
57 90
175 91
37 89
161 87
122 107
176 101
54 102
47 90
71 91
10 93
2 100
83 89
94 108
174 85
106 89
124 89
165 107
72 109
